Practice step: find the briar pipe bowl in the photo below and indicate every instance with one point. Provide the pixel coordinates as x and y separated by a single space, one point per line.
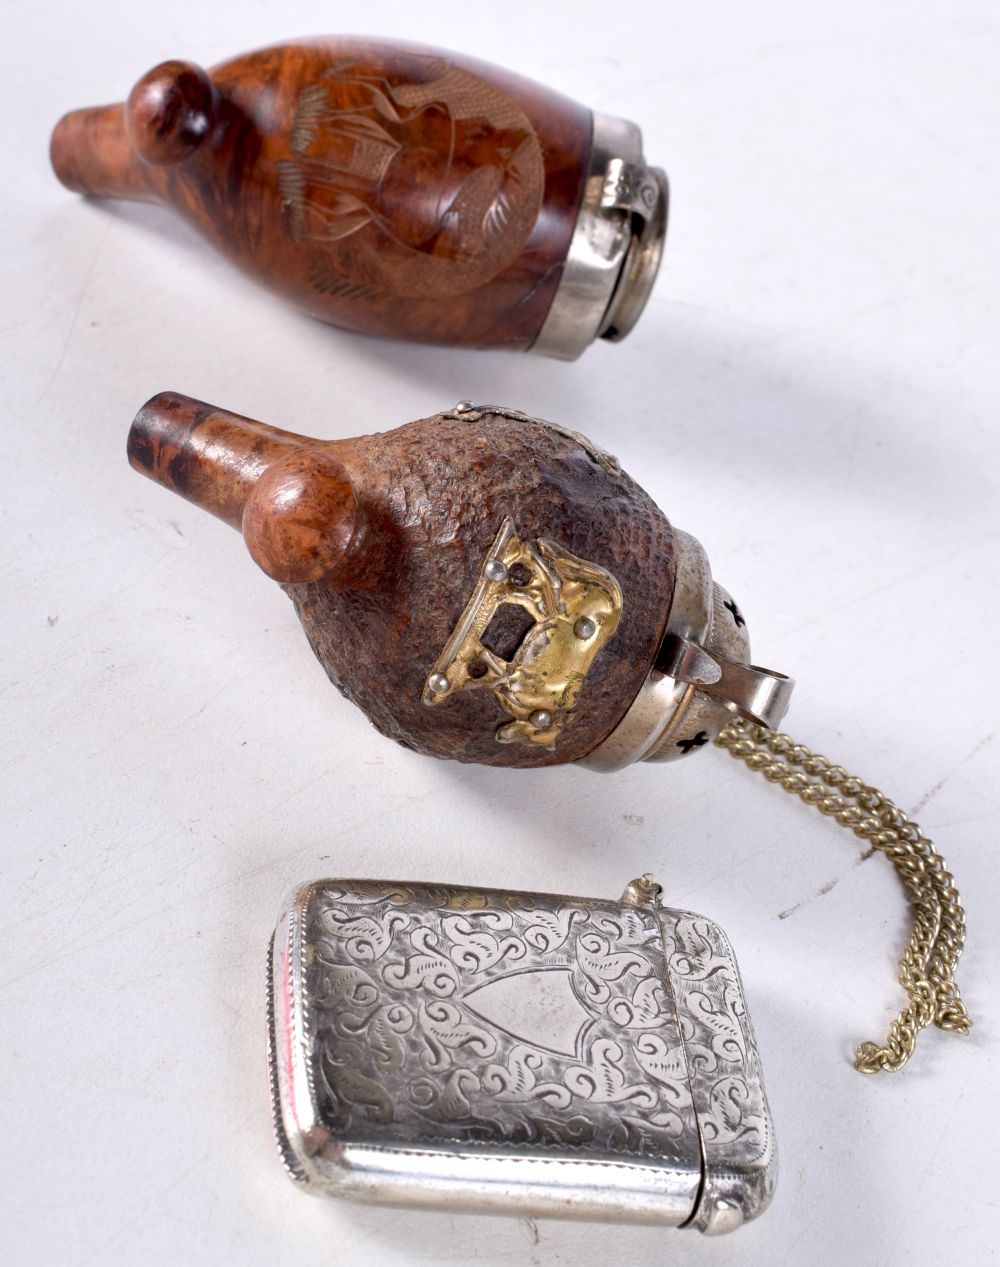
486 586
392 189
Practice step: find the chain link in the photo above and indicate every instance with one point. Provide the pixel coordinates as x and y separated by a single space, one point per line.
926 970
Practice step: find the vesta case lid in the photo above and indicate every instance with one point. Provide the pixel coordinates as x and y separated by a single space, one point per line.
531 1053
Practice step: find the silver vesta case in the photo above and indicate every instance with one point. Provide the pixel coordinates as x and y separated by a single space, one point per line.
520 1052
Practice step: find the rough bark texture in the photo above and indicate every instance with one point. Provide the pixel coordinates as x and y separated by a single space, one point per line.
429 499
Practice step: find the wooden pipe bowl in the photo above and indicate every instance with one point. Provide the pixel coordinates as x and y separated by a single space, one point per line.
386 188
412 514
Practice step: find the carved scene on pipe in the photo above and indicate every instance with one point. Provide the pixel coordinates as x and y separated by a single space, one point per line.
391 189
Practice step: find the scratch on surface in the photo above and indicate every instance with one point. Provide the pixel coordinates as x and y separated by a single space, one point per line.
81 295
164 1189
210 700
932 792
882 588
532 1227
823 889
82 943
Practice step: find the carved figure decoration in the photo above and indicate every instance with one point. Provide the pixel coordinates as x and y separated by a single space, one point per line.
390 189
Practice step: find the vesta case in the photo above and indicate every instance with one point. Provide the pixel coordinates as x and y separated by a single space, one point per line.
516 1052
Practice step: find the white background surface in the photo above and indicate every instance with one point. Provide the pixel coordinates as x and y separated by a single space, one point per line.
812 391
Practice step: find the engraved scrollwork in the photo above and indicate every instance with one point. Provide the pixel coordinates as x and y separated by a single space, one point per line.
599 966
369 936
603 1080
382 1033
694 954
448 1101
474 946
548 930
427 970
368 893
718 1045
574 1131
737 1111
364 1093
647 1007
344 985
701 1059
626 927
499 1019
518 1080
444 1030
727 1041
661 1062
652 1131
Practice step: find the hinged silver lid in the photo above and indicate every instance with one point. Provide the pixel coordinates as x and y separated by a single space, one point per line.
614 254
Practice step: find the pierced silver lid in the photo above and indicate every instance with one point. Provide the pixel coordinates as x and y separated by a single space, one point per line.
702 677
616 247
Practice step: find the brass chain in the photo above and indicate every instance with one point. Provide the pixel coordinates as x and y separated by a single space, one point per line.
926 970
